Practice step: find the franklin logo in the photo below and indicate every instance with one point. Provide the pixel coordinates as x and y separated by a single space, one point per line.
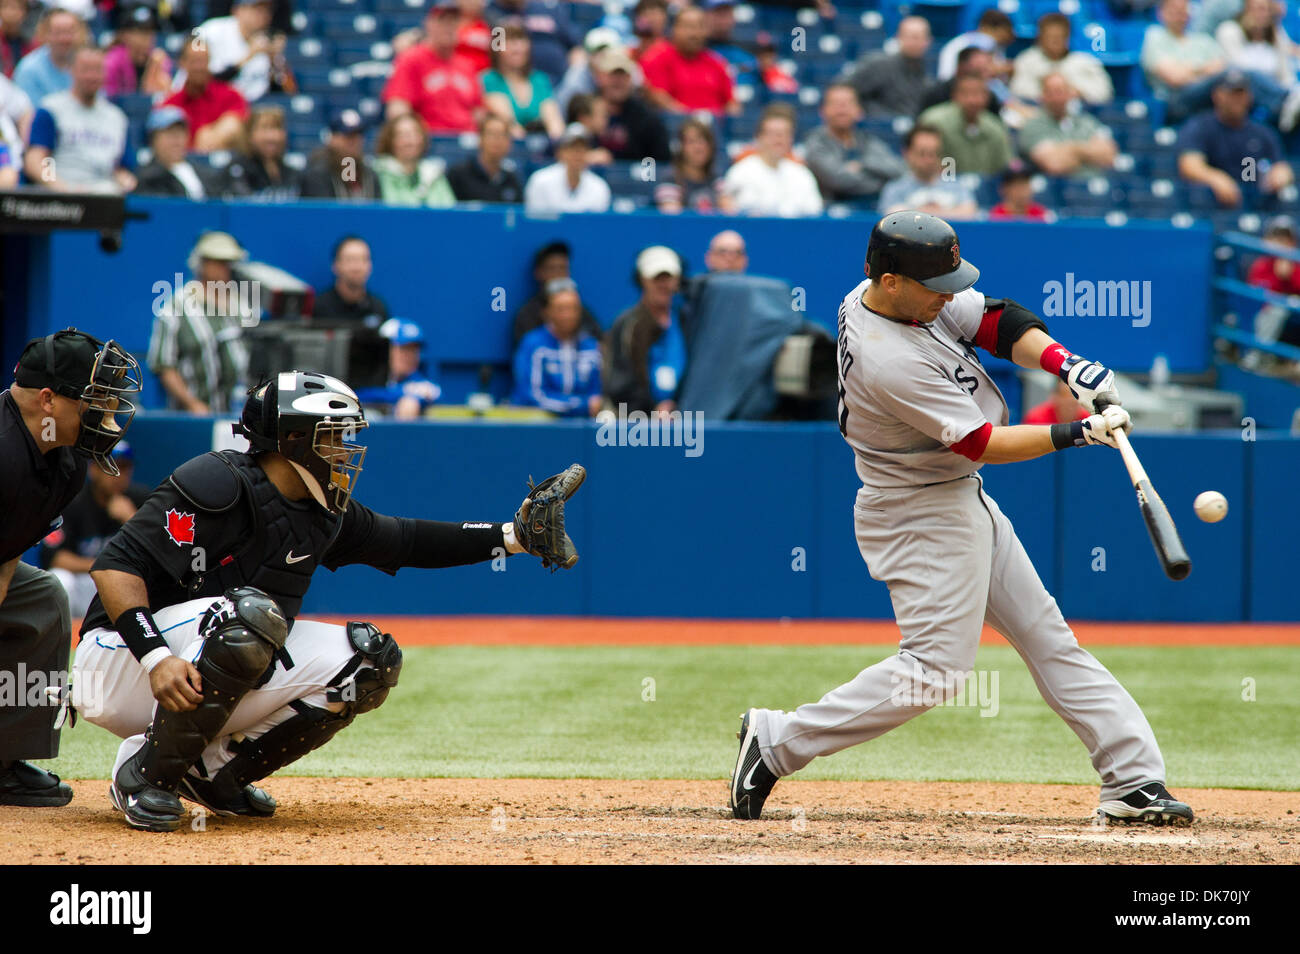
180 527
77 907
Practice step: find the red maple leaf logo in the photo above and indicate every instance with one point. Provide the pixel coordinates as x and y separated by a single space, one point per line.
180 527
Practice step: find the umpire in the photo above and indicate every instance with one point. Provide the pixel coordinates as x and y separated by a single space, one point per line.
69 402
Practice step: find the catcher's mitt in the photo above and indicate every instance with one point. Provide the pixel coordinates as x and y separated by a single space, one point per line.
539 522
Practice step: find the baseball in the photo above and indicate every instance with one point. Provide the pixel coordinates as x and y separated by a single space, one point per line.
1211 506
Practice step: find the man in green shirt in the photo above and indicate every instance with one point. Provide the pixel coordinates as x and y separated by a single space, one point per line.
973 138
1062 143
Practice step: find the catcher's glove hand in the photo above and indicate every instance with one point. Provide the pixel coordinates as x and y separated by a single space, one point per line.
539 522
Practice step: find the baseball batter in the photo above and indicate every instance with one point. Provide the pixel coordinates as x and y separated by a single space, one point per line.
922 416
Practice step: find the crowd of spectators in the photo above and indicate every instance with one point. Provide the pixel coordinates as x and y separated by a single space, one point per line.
659 82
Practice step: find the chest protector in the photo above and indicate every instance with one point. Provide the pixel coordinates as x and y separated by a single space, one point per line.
277 547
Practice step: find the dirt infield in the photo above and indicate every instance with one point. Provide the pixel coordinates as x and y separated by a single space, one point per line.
544 821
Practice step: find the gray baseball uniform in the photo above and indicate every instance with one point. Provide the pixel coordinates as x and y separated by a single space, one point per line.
950 557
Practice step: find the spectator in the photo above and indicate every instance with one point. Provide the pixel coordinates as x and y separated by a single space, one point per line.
134 63
993 34
634 130
169 173
95 514
1060 408
14 38
973 138
769 182
195 349
16 114
240 49
1051 54
406 175
216 111
893 84
849 162
516 92
1256 42
693 185
1278 274
550 263
281 13
433 80
580 77
682 76
555 40
1180 64
720 20
646 352
338 169
82 135
974 61
259 171
473 35
649 24
557 366
489 176
727 253
927 186
8 168
48 68
774 78
567 185
409 391
1017 195
592 113
1220 148
349 298
1063 140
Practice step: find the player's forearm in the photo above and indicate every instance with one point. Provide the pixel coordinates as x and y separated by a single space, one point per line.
1017 442
7 574
120 591
1029 347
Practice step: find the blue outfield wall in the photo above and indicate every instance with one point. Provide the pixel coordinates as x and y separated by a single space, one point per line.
721 534
462 273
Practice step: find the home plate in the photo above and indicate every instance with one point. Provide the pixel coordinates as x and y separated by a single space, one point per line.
1124 836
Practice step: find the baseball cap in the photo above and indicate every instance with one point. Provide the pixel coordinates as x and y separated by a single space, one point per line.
64 366
219 247
400 331
613 58
165 117
249 3
347 121
598 38
122 451
1281 225
658 260
1233 79
137 17
714 4
441 8
574 132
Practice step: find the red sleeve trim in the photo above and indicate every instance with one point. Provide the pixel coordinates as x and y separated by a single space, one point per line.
975 443
1052 358
987 336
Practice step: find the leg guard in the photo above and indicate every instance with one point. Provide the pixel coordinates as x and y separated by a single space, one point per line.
241 634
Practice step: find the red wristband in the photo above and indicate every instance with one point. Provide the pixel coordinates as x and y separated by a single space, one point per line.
1052 358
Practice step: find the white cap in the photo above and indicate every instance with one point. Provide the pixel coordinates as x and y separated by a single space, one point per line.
656 260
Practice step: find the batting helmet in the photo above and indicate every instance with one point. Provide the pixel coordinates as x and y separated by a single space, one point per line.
922 247
311 419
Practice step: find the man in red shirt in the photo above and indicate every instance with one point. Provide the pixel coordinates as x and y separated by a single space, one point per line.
682 75
1060 408
434 81
216 111
1280 275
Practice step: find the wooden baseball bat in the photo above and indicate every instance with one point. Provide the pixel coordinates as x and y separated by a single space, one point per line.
1164 535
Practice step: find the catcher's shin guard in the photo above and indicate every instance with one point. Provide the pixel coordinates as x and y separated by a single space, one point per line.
241 635
362 685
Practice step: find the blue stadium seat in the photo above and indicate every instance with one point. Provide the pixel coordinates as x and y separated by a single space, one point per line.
400 6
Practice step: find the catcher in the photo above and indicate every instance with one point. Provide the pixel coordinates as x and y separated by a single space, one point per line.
206 675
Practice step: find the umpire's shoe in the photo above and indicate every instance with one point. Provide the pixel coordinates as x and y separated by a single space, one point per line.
145 806
751 780
1150 803
29 787
249 800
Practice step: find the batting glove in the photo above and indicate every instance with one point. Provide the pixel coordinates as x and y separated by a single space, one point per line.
1088 381
1098 429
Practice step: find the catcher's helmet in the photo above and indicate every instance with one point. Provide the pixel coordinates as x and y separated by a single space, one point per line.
311 419
922 247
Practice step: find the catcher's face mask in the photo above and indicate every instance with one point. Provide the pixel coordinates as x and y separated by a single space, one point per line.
105 408
334 443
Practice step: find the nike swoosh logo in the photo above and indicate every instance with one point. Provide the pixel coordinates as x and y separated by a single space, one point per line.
291 559
747 783
1147 794
132 801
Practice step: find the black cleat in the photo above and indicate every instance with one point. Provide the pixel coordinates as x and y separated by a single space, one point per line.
27 786
1150 803
145 806
751 780
249 800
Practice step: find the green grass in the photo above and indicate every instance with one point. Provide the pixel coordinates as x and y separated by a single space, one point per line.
578 712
